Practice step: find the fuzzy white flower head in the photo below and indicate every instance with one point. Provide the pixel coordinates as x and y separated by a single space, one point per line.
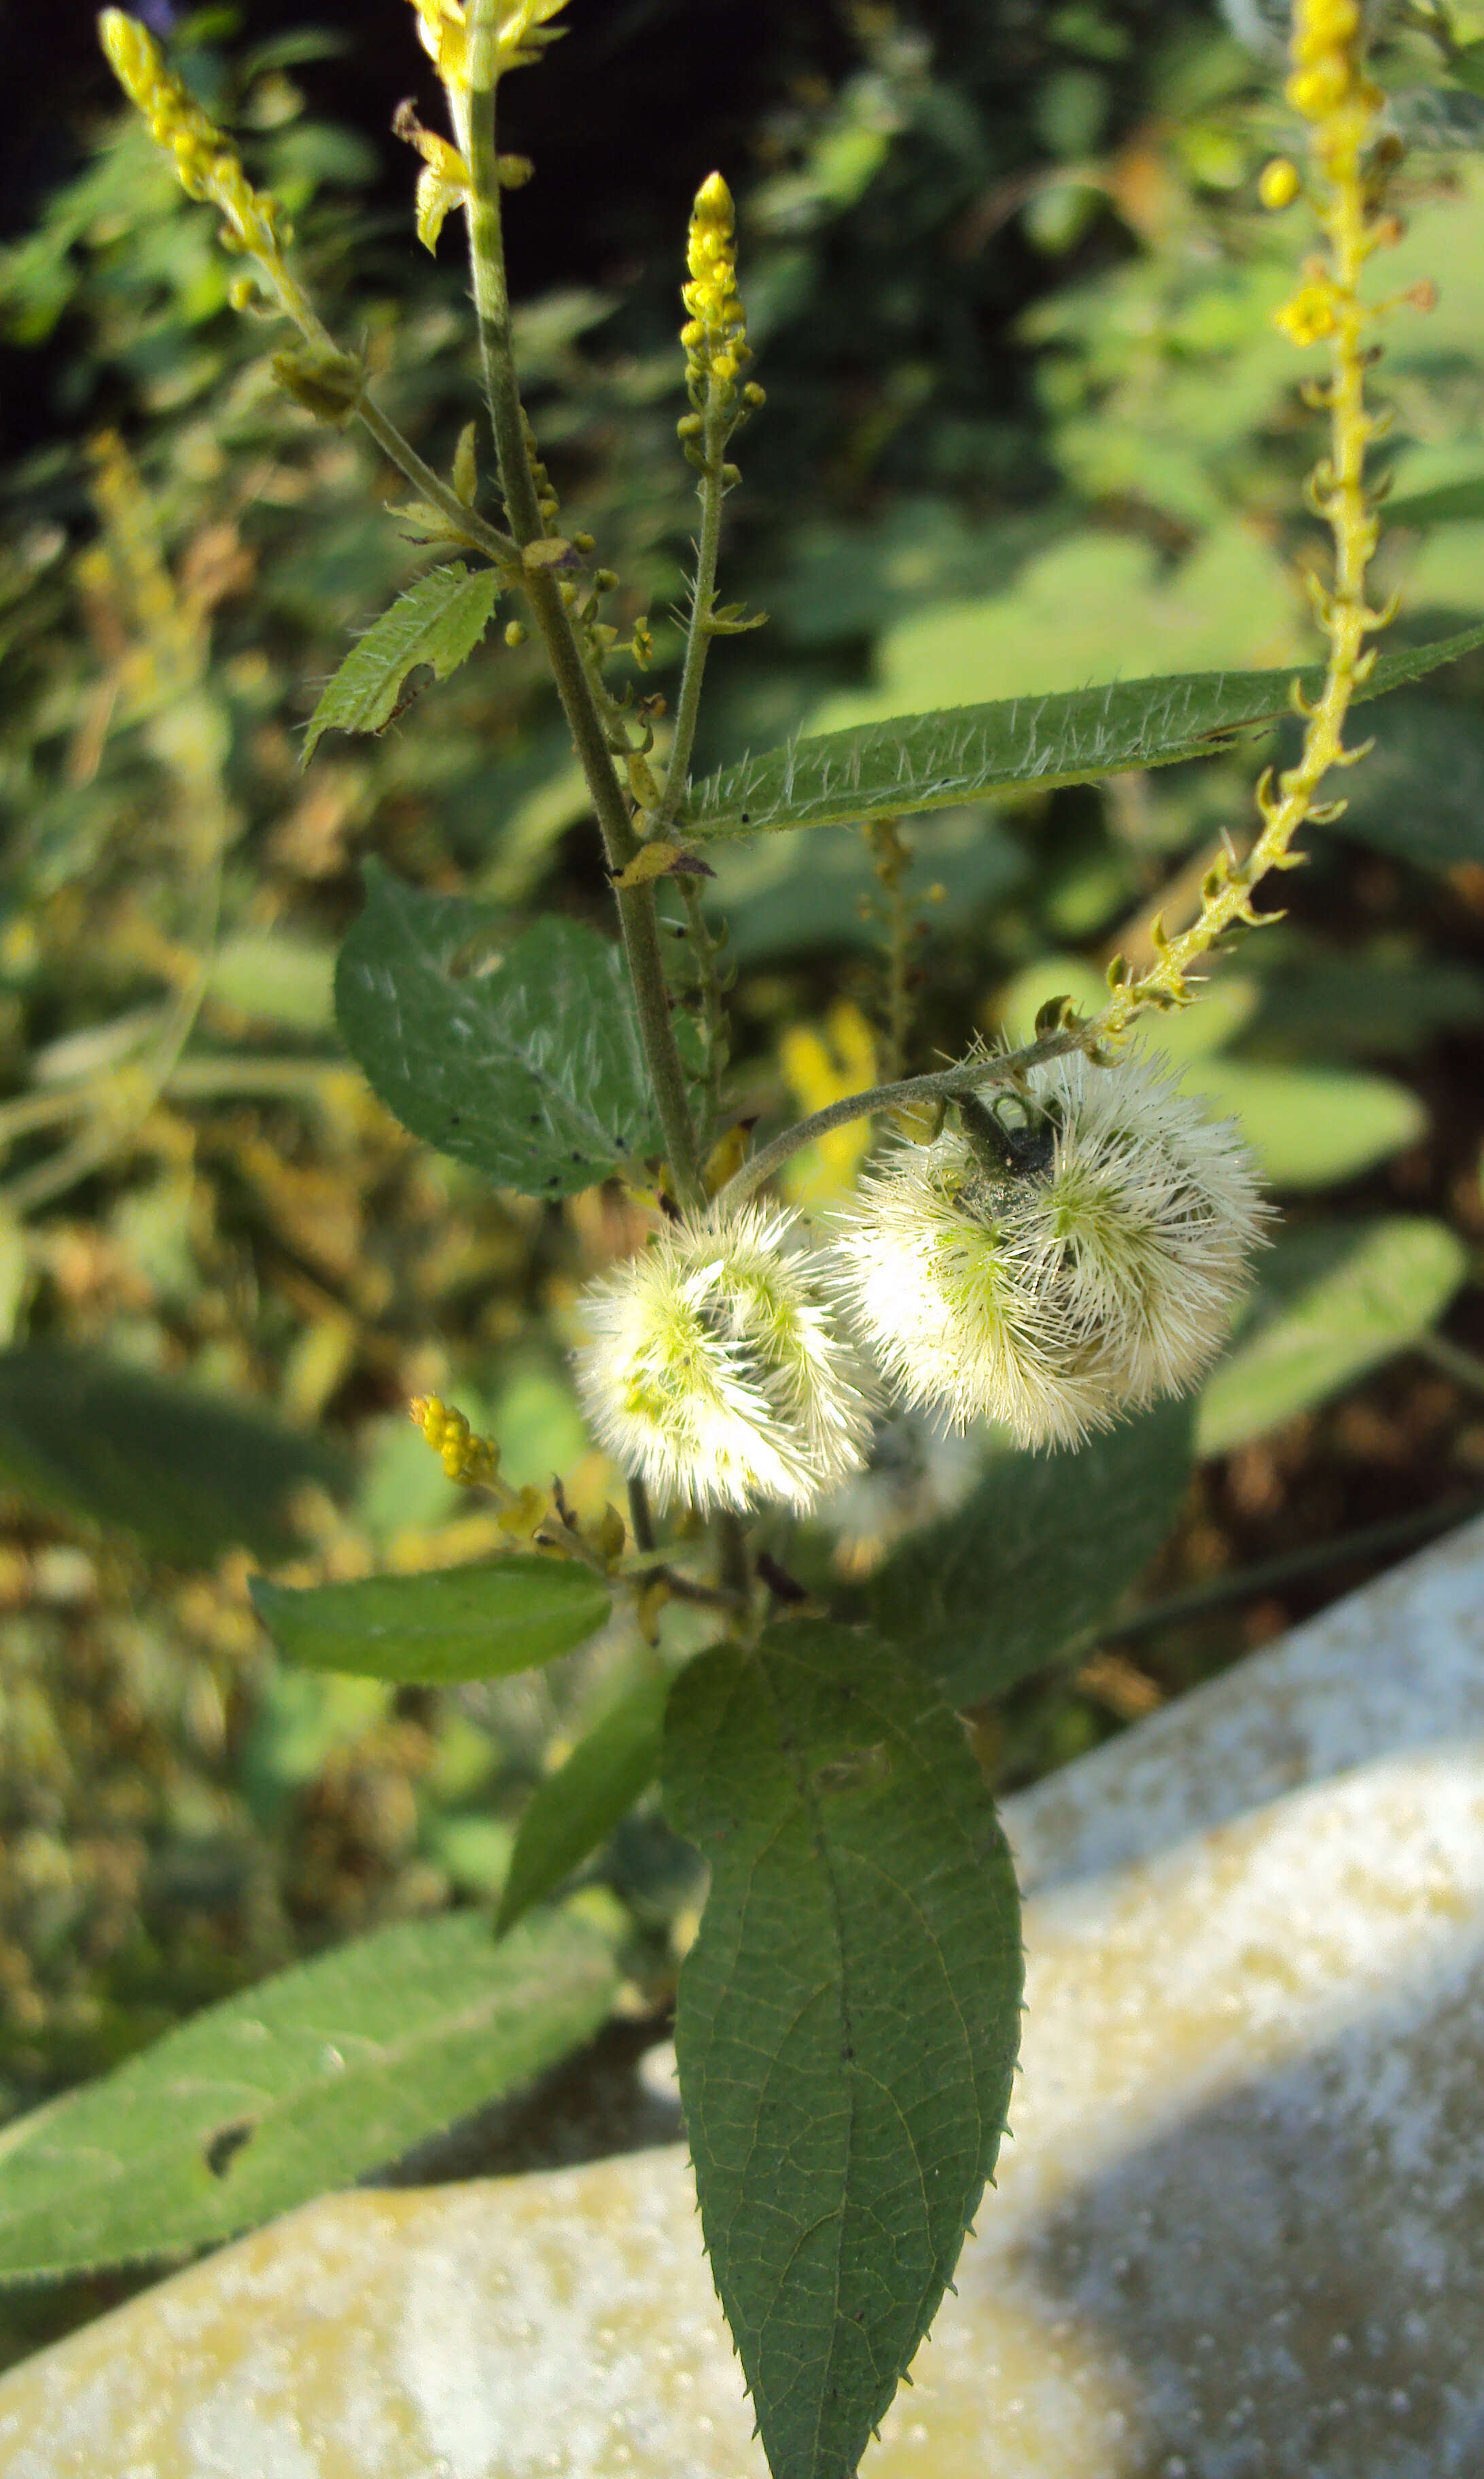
1056 1262
715 1370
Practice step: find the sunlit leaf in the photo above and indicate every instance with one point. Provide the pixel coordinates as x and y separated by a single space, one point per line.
438 621
848 2016
295 2088
456 1622
937 761
1333 1301
1310 1126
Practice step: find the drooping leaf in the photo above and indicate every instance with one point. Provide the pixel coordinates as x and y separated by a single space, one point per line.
531 1072
438 621
185 1474
938 761
294 2089
1023 1571
578 1807
1331 1302
848 2016
458 1623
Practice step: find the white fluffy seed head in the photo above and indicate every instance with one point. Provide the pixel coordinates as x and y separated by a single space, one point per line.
715 1370
1079 1281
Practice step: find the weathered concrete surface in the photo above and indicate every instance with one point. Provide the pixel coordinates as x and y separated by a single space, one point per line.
1240 2234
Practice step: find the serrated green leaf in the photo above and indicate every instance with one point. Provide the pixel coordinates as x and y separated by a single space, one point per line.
938 761
533 1073
848 2017
1022 1573
578 1807
438 621
1331 1302
294 2088
458 1623
182 1473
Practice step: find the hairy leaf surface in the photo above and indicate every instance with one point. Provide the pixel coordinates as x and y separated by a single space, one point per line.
438 621
578 1807
532 1072
848 2016
294 2088
459 1622
185 1474
934 761
1021 1574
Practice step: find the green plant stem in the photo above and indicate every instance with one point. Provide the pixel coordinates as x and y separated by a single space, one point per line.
942 1085
641 1517
697 634
637 917
732 1561
463 519
713 1004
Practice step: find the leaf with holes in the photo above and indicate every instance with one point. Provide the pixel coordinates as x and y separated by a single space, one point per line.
457 1622
438 621
580 1805
531 1071
936 761
1022 1573
848 2016
295 2088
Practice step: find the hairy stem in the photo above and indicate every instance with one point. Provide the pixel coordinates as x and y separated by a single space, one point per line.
636 903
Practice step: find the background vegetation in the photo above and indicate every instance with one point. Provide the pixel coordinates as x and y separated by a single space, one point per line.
1028 426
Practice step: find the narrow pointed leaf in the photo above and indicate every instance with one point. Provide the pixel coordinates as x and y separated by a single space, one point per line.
936 762
532 1072
848 2016
1021 1574
295 2088
462 1623
577 1808
438 621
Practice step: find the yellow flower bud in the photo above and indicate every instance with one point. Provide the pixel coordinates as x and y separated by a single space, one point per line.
1279 182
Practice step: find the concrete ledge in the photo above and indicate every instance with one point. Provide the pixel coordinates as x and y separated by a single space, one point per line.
1240 2233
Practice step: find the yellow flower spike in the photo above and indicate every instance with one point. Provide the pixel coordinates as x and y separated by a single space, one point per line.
205 163
519 36
1330 89
466 1458
715 330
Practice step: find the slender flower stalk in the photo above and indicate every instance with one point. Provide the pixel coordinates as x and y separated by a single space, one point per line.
1330 89
481 44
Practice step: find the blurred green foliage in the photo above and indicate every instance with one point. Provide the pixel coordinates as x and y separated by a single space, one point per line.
1028 427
